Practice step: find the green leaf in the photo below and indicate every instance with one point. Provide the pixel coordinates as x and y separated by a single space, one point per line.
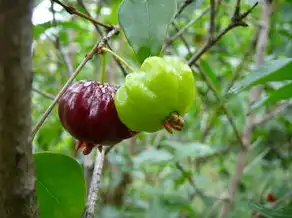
145 24
153 156
275 70
60 186
271 213
285 92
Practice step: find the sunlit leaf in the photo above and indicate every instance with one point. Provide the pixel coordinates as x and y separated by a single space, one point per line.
275 70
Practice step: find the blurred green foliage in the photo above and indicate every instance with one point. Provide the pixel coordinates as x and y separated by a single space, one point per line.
184 174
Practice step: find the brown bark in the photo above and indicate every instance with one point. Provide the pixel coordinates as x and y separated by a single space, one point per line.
17 181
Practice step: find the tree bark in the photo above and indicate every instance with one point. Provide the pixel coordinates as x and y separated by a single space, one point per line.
17 181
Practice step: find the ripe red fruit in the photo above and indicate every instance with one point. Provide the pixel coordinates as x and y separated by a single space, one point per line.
87 111
271 197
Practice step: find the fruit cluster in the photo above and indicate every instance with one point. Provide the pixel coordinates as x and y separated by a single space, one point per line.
156 96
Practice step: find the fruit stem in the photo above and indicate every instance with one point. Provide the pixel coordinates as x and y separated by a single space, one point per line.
118 57
103 68
94 190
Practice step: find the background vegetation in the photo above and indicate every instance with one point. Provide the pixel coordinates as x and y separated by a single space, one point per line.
186 174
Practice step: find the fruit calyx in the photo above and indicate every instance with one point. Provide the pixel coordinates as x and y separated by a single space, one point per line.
87 147
174 122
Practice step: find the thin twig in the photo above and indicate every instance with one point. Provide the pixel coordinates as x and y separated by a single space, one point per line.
235 22
242 158
95 184
58 46
88 165
219 99
47 95
81 3
88 57
190 179
210 43
182 7
272 114
212 20
72 10
256 160
184 41
180 10
201 160
181 31
237 8
235 76
241 65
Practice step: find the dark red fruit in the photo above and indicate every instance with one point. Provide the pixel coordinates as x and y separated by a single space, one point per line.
87 111
271 197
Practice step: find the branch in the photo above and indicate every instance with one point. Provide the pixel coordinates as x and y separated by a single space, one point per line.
94 187
87 58
271 114
219 99
181 31
237 9
254 96
181 37
235 22
81 3
190 179
47 95
72 10
182 7
58 46
212 20
241 65
180 10
237 70
88 165
201 160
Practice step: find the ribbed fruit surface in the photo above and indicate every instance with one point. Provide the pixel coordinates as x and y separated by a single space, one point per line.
87 111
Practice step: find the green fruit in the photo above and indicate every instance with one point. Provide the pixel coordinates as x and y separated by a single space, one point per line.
156 96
